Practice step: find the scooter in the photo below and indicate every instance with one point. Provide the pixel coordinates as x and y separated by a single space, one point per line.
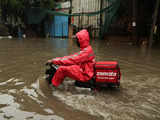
106 74
50 72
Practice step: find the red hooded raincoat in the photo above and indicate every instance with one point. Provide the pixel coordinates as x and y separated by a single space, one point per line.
79 66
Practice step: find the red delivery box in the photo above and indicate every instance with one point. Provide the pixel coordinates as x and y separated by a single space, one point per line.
107 72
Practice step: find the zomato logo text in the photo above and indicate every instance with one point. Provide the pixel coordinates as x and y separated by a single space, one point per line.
106 74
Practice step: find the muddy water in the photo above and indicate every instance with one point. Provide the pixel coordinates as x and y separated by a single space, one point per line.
25 95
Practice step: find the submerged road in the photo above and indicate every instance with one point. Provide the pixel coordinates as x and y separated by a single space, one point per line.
25 95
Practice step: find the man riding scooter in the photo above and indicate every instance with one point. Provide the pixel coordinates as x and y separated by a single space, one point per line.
78 66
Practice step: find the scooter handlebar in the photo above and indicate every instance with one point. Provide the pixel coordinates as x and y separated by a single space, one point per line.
48 64
52 65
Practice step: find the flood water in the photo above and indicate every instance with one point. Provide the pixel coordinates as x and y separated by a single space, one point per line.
24 94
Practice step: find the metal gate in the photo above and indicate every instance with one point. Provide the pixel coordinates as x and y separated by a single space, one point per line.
92 23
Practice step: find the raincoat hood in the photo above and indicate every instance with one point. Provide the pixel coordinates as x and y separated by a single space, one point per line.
83 38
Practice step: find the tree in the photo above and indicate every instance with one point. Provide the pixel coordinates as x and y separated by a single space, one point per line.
13 10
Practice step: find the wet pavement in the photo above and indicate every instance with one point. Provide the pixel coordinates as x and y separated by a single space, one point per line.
25 95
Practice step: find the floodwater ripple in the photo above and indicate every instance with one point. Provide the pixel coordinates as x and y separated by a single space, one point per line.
24 94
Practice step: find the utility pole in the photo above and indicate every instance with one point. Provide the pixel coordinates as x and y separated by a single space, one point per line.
154 22
134 21
101 21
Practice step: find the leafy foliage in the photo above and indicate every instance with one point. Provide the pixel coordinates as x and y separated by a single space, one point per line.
16 8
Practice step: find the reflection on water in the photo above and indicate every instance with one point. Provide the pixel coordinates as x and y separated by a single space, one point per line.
25 95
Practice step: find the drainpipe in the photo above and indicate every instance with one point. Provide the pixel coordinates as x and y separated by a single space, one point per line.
70 12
